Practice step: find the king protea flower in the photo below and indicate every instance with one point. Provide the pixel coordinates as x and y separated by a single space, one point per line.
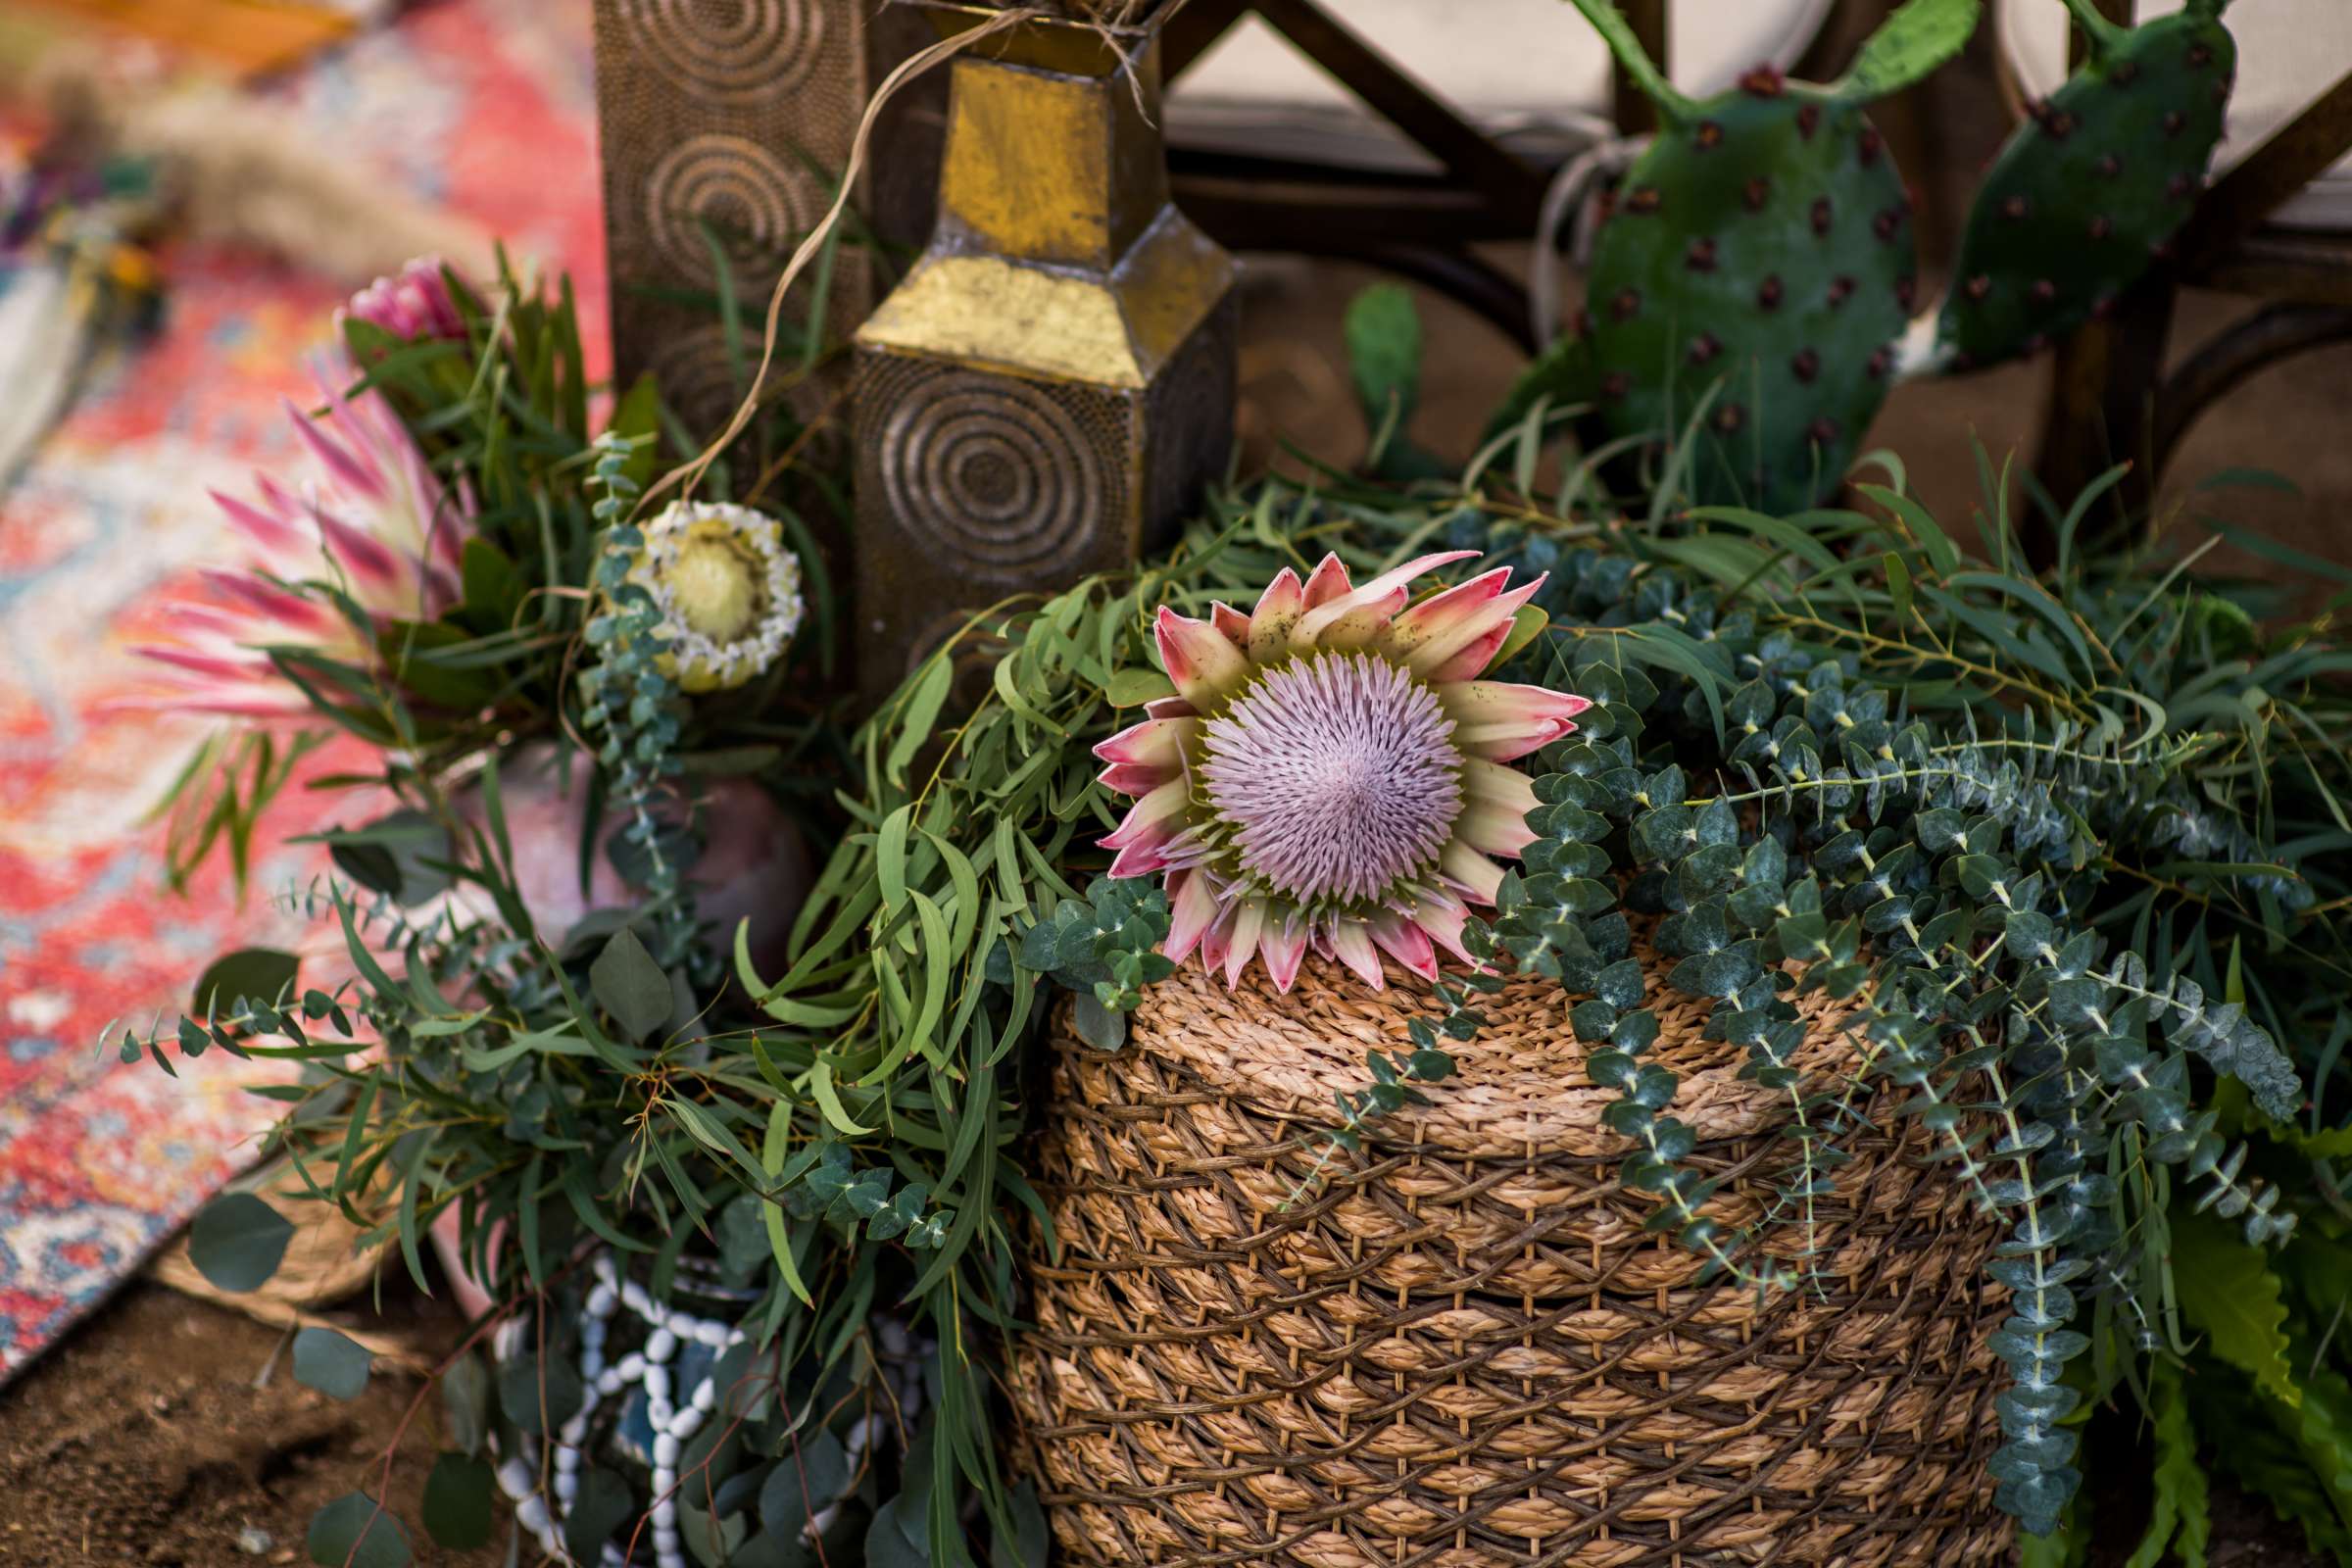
1332 771
372 521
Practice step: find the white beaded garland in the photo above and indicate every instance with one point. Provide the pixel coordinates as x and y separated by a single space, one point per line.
514 1479
654 1367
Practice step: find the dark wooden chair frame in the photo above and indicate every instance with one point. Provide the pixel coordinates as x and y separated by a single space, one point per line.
1423 227
2110 399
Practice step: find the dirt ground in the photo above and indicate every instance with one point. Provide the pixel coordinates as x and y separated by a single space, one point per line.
144 1442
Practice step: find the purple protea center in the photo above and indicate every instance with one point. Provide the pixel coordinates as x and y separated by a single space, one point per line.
1338 777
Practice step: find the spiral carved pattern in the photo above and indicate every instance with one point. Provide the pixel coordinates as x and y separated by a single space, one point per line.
755 202
729 51
994 472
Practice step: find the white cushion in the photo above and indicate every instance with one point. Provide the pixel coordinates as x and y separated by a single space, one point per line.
2289 53
1531 71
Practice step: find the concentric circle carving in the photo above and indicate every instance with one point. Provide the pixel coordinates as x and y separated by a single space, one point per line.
756 202
994 472
731 51
692 370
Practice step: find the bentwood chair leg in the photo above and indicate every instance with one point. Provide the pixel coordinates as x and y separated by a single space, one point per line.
2102 402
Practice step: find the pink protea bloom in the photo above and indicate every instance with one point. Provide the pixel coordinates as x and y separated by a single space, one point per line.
372 521
412 303
1332 772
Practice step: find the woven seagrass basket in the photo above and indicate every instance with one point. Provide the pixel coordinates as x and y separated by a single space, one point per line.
1462 1348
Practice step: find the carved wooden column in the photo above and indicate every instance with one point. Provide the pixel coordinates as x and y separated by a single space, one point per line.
736 117
1048 388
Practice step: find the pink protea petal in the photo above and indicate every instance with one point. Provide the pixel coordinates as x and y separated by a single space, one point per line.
1277 607
1283 945
1197 657
1445 610
1155 819
1218 937
1401 938
1479 878
242 699
1192 909
1137 860
1442 921
1504 742
209 620
1376 600
348 471
281 501
1461 646
376 569
267 598
1134 778
1154 742
1475 660
1493 829
272 531
1493 784
1232 622
1170 707
1489 702
226 664
1328 581
1249 924
1352 944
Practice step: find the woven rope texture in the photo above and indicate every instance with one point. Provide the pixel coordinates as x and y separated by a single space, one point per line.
1462 1348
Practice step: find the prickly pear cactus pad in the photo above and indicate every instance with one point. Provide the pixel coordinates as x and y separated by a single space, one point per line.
1758 261
2090 191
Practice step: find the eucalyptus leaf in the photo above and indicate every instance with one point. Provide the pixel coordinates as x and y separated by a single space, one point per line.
330 1362
602 1503
352 1532
457 1502
238 1240
631 985
260 973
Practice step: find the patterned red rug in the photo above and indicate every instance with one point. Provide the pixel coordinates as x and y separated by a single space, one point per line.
482 105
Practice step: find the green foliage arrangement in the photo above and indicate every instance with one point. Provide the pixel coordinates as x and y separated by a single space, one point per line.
2075 839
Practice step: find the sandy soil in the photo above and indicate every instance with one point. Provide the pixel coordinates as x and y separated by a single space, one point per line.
144 1440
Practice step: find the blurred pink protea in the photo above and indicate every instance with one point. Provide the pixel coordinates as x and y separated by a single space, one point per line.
373 522
412 303
1332 771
